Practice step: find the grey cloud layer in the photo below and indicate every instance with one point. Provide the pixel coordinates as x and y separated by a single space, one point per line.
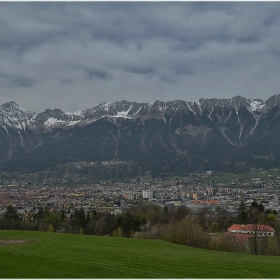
75 55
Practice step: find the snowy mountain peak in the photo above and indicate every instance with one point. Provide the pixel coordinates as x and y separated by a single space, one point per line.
56 118
9 104
12 107
12 115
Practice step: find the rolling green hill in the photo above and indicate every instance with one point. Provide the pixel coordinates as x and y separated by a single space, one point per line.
57 255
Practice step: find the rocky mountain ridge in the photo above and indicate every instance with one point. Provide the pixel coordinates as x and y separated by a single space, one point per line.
17 117
209 133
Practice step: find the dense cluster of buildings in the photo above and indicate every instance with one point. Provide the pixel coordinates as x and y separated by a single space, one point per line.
115 197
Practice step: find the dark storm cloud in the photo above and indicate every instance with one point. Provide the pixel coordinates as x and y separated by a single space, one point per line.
75 55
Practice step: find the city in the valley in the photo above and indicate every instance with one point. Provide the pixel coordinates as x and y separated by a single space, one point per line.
195 191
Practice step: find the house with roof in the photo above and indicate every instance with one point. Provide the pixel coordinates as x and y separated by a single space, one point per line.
259 229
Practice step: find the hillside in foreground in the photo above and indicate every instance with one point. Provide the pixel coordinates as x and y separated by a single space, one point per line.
56 255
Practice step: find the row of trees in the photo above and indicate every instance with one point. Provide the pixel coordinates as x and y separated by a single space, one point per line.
173 224
77 221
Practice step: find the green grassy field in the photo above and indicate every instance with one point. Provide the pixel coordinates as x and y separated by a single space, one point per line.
57 255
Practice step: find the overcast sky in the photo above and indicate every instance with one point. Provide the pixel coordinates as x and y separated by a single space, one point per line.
75 55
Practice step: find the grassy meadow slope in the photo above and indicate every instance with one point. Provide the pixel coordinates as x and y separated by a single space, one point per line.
57 255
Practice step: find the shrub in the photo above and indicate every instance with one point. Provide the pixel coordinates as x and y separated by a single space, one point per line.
186 232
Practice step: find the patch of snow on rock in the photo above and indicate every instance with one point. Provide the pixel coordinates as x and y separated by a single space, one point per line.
257 104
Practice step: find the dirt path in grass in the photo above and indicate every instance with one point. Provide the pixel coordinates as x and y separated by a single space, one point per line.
5 242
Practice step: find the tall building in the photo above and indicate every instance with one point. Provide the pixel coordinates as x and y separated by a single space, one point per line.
148 194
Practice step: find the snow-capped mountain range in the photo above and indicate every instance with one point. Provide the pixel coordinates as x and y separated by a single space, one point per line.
129 129
14 116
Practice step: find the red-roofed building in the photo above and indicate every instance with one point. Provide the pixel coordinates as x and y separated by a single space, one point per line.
212 201
260 230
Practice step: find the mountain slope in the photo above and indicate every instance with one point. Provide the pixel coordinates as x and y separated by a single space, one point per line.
160 137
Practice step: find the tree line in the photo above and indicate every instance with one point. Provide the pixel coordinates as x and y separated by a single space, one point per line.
202 229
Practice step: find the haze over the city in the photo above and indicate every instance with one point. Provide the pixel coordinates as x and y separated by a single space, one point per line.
75 55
